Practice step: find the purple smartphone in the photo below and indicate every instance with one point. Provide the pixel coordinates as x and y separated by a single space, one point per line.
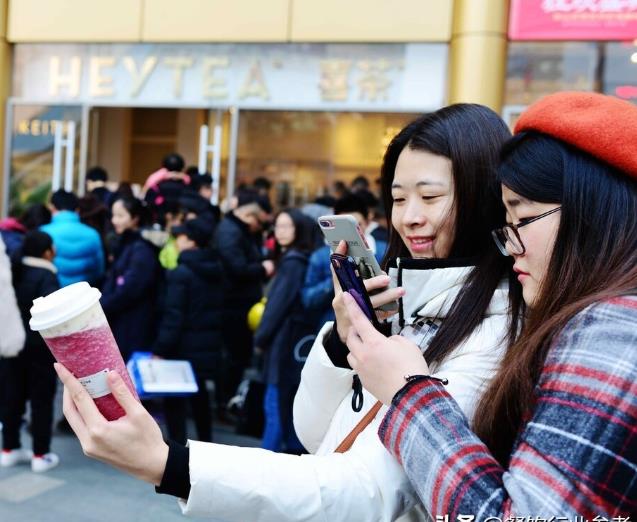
351 281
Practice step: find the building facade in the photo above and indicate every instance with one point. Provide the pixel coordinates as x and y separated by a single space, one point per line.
304 92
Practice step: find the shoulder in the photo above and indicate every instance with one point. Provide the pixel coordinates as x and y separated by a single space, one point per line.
610 324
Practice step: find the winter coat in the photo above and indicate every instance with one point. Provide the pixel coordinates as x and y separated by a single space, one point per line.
318 288
129 293
241 258
576 455
191 322
12 232
78 249
35 277
365 483
284 301
12 333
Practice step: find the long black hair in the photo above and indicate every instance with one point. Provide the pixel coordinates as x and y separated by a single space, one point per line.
471 136
136 209
594 258
304 234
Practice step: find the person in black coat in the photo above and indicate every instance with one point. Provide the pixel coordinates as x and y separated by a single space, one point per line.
275 337
238 242
129 293
191 324
30 375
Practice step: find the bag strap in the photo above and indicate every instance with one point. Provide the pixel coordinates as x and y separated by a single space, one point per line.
348 441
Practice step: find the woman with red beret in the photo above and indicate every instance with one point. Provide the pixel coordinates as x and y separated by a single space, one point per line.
555 434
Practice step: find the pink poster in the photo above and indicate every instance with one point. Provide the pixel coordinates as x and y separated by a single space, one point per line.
573 20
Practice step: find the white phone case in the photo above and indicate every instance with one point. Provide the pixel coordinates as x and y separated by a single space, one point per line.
344 227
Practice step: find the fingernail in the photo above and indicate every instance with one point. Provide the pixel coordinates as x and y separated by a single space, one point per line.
402 291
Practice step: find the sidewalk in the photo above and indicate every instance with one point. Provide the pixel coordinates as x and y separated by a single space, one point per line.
84 490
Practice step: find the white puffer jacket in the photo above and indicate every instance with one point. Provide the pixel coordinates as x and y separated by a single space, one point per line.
364 484
12 333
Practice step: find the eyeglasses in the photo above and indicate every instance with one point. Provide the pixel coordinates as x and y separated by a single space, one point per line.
509 234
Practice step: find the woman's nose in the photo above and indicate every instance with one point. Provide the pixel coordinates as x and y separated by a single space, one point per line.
414 216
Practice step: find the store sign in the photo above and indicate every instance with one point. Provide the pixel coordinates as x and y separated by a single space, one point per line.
573 20
293 76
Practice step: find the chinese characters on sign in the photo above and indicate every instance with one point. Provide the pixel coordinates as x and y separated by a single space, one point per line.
573 20
398 76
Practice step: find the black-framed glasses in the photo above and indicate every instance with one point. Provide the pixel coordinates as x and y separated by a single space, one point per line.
509 234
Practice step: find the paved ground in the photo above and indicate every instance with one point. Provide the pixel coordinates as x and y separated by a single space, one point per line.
83 490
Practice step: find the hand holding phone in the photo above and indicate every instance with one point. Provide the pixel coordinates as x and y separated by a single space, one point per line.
350 281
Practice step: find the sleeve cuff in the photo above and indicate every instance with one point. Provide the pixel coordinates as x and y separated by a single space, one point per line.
176 479
421 391
336 349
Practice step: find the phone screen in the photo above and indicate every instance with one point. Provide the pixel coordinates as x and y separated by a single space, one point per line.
350 281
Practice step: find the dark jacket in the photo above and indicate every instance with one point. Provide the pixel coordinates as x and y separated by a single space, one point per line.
241 258
129 293
274 335
34 278
12 233
191 323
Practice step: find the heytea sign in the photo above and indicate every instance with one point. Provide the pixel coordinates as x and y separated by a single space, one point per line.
392 76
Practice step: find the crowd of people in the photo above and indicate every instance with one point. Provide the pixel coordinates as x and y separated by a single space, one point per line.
179 281
503 387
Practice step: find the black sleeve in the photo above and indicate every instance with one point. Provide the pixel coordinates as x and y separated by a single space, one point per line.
176 479
337 350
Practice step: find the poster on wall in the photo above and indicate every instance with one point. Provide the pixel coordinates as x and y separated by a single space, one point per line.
591 20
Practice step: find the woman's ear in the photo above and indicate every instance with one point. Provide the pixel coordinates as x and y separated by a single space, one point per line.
49 254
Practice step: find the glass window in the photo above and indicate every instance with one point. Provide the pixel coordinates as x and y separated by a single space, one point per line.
537 69
304 153
620 70
32 140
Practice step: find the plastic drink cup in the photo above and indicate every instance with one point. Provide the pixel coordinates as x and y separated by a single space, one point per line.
73 325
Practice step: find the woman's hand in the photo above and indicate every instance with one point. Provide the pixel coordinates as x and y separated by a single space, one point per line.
381 363
133 443
374 283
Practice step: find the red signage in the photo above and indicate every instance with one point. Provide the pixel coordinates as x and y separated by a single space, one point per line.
573 20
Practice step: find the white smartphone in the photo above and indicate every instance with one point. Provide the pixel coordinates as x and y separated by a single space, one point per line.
345 228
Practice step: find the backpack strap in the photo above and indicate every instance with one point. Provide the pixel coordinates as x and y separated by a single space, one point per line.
348 441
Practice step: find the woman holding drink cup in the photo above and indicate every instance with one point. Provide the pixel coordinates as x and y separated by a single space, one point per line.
440 172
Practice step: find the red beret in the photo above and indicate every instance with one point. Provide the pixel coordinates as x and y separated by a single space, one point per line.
603 126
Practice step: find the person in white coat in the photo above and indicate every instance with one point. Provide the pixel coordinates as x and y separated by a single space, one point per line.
12 334
439 183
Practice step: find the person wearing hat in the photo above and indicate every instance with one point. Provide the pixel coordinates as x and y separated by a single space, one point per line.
555 432
190 327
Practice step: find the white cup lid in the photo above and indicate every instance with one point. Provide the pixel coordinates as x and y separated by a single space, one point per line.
62 305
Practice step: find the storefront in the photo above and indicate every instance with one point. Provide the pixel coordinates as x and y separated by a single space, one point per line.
556 45
304 115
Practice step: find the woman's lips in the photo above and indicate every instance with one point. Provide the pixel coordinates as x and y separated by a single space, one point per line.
419 244
522 276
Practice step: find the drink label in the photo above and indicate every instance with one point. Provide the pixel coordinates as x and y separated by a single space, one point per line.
96 384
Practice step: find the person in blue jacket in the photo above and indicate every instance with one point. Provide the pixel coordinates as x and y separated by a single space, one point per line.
318 289
79 255
129 293
274 337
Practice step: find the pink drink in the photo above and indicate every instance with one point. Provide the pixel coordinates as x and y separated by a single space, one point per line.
72 323
89 352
